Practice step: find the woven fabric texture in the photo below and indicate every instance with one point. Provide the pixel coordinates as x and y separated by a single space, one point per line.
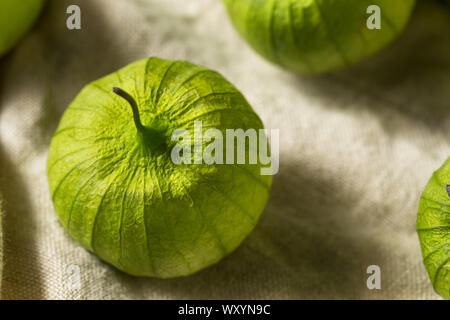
356 150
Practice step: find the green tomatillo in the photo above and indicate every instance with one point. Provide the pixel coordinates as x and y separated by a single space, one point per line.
315 36
117 189
16 18
433 227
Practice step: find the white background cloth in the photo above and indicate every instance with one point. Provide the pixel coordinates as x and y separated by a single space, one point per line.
357 148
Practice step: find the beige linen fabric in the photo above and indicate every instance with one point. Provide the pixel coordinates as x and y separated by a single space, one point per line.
357 148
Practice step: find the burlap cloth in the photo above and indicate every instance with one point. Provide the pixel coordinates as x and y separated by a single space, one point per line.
357 148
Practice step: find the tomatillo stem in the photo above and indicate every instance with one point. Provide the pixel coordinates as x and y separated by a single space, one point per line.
134 107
